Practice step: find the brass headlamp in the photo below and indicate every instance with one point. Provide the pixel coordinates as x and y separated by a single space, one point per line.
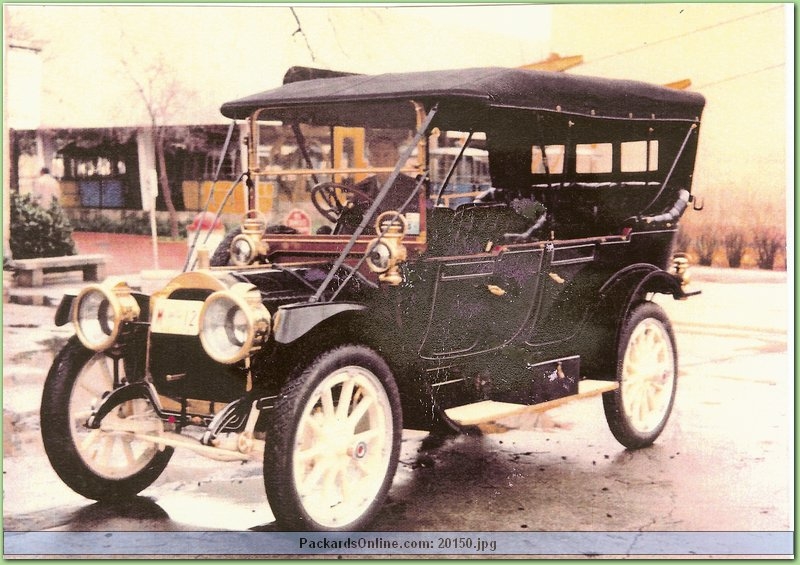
249 245
234 323
100 311
387 250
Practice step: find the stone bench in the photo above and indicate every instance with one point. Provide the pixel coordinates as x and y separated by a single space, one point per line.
30 272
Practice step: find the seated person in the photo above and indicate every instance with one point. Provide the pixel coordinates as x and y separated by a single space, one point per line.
384 152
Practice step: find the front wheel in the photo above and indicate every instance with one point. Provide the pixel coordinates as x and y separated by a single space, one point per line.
334 443
105 463
647 368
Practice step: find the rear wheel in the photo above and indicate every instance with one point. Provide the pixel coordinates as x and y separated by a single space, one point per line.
334 443
647 368
105 463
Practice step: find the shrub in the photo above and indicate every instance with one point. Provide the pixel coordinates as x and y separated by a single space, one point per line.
767 243
683 241
37 231
735 245
131 222
705 244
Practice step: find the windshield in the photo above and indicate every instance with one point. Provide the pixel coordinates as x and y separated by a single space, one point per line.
320 180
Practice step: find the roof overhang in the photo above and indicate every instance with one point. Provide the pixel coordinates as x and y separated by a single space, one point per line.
364 99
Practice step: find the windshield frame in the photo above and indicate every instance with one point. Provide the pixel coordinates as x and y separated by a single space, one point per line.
412 161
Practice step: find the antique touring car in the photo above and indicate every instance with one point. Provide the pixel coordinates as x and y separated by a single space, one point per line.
352 302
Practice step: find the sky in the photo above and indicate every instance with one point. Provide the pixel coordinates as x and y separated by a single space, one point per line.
93 55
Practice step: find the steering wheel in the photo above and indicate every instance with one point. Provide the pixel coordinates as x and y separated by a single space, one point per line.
333 198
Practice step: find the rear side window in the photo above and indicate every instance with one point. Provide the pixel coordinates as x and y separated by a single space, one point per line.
638 156
594 158
551 160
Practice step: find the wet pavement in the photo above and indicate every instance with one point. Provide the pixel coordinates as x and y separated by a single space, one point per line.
724 462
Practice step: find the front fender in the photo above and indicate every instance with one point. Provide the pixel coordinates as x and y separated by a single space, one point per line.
295 320
64 310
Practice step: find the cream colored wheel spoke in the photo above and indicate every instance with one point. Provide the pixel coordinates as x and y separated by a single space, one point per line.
90 439
648 375
312 479
328 409
109 452
345 397
359 411
342 448
311 454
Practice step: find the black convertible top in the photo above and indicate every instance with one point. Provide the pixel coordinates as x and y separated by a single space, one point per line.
361 99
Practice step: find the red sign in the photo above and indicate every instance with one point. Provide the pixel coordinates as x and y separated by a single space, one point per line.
299 220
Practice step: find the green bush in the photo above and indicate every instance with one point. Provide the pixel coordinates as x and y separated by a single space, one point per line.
131 222
37 231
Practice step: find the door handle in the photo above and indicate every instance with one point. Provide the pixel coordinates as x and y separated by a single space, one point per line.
496 290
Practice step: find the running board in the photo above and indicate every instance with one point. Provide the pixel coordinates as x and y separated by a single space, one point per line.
490 410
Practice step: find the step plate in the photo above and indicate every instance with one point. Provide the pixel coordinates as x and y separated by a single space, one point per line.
490 410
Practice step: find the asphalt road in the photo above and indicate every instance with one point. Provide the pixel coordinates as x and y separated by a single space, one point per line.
724 462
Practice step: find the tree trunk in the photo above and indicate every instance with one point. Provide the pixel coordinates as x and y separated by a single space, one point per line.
164 182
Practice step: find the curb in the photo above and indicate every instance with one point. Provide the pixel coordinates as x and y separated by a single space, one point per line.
33 299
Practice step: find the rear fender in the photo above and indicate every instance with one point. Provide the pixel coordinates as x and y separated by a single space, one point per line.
628 287
616 299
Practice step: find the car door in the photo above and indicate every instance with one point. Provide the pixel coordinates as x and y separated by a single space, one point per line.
480 302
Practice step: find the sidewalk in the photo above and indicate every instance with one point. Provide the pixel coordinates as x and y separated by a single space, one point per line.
131 253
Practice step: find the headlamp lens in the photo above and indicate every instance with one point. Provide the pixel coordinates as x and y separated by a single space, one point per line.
236 326
242 252
95 318
100 312
233 322
224 328
379 257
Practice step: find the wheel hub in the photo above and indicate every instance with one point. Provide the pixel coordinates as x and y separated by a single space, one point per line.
359 451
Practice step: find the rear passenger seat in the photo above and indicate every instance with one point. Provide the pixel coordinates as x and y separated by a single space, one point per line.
471 227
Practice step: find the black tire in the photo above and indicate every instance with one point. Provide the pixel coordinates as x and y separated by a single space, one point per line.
96 464
350 460
647 372
222 254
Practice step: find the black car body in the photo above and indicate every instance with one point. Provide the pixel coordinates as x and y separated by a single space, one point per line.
319 345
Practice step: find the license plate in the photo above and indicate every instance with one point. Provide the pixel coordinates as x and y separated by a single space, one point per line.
177 317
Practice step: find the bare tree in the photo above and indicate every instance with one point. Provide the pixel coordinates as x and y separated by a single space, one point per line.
160 91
